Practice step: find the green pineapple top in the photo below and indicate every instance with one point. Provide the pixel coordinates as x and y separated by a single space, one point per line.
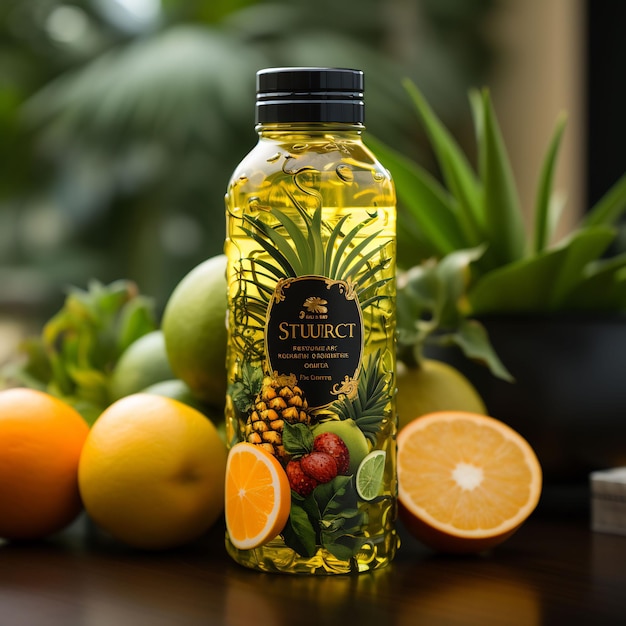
317 249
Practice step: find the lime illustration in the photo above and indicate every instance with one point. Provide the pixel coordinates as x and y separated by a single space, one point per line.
369 476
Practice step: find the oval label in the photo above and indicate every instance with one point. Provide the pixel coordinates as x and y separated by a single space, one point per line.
314 330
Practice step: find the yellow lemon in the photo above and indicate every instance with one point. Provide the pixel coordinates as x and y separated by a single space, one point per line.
434 386
152 472
194 327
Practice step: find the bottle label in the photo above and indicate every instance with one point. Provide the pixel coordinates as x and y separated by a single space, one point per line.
314 331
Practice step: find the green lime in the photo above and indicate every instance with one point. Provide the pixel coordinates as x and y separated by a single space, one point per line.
369 476
176 389
143 363
194 327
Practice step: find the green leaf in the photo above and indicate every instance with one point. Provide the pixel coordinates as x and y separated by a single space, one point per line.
343 247
342 522
80 344
415 302
427 204
335 495
602 289
298 238
274 273
315 235
299 533
275 245
478 117
610 207
460 178
542 283
473 340
432 296
330 246
453 278
297 438
504 226
246 387
343 546
543 202
349 266
136 319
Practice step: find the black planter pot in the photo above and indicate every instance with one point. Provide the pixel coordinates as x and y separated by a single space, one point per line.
569 397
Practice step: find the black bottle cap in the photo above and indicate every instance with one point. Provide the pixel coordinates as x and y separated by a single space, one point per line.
309 94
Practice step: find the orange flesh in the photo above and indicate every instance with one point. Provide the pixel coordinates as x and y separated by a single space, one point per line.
467 475
257 496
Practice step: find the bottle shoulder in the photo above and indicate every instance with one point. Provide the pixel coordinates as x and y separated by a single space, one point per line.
327 157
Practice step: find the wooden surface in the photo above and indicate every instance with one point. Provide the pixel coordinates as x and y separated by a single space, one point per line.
553 571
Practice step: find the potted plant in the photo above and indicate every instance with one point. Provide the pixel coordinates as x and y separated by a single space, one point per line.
546 316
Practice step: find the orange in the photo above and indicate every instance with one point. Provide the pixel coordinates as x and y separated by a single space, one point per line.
41 438
152 472
466 481
258 496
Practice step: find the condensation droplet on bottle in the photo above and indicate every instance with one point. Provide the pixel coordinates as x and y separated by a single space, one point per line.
377 176
242 179
345 173
299 147
274 158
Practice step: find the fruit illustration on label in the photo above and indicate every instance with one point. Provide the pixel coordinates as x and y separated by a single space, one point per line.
280 400
301 483
332 444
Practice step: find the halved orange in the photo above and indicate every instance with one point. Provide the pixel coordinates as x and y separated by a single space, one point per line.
258 496
466 481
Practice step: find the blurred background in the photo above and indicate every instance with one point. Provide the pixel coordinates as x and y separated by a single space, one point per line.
121 120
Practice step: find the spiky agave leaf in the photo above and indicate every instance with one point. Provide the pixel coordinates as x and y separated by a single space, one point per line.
304 249
367 408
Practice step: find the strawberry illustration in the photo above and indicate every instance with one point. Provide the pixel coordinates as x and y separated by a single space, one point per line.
300 482
333 444
320 466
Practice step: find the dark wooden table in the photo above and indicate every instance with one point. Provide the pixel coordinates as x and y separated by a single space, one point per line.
555 570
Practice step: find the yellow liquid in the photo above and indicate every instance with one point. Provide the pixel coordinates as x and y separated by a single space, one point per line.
335 172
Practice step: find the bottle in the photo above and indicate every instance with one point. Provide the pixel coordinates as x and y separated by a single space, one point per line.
311 253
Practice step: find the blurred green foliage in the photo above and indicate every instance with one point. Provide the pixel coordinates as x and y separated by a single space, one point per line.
120 122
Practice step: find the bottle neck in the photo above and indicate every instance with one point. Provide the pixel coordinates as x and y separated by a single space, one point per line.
310 129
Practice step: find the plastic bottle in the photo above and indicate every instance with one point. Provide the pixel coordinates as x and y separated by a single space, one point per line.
311 277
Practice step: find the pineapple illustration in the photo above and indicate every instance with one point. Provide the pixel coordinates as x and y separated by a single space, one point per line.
280 400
